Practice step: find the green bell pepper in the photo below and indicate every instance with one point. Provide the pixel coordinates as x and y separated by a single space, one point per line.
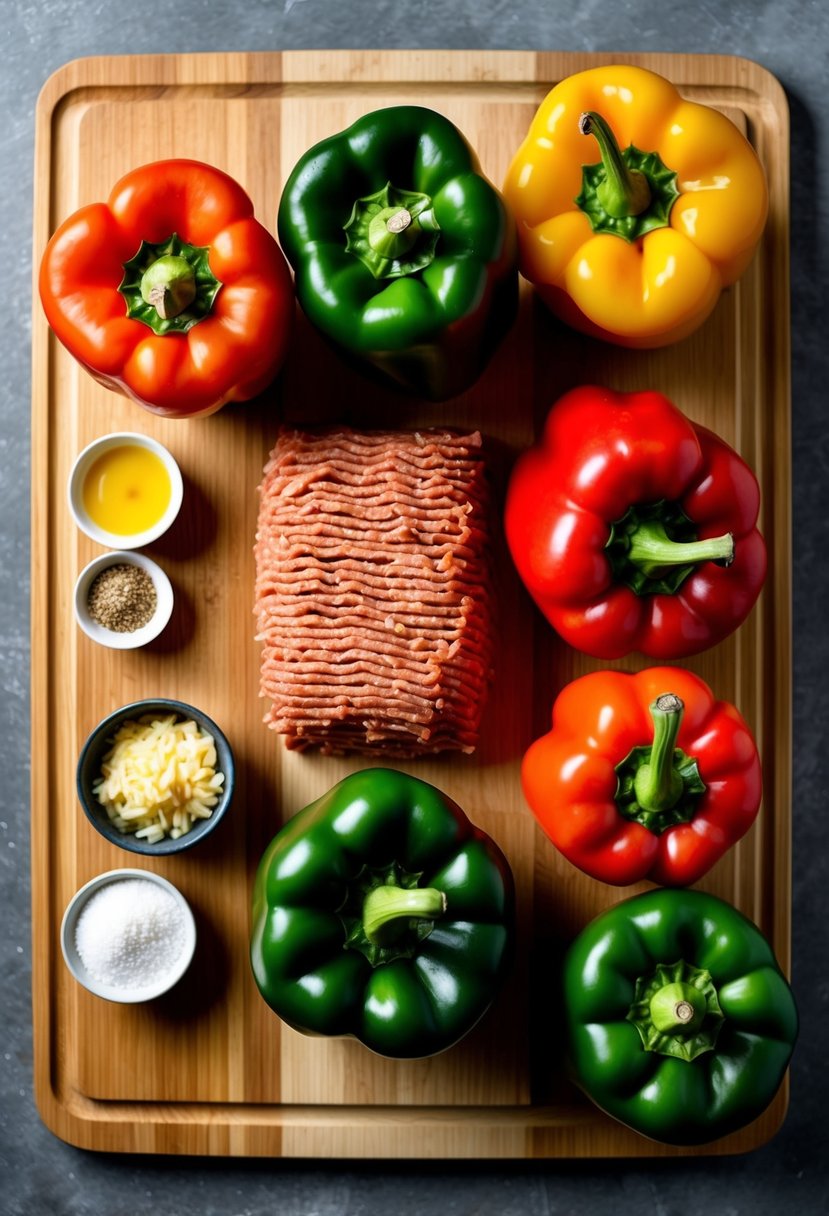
405 256
380 912
679 1021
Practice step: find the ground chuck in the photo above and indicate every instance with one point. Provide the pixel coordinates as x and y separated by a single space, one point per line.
373 593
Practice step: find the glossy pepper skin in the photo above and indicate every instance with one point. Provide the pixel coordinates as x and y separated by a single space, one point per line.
380 912
184 233
679 1021
643 776
425 302
638 267
634 528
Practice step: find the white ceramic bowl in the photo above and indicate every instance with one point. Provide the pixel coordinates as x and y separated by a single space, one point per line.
109 637
115 540
124 996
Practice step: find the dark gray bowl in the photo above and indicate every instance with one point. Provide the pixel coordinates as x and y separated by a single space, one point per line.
89 770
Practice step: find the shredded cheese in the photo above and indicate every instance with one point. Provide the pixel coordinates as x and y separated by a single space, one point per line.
159 778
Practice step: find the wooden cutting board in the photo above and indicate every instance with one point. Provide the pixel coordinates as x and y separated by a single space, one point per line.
209 1069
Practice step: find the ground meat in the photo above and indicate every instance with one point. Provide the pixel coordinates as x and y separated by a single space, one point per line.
373 591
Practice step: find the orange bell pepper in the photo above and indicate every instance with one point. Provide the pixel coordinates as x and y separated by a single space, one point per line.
643 776
636 248
171 292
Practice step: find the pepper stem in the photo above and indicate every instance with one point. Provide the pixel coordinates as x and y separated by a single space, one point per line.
624 192
390 232
657 785
651 549
387 910
169 284
399 220
677 1009
393 232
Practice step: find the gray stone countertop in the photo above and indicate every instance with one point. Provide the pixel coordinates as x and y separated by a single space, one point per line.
40 1174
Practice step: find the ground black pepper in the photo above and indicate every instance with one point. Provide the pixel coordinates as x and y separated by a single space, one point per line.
122 598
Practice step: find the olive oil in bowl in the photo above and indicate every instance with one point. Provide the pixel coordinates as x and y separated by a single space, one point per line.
125 490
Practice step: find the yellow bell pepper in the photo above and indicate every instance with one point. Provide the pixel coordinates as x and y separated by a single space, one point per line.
636 248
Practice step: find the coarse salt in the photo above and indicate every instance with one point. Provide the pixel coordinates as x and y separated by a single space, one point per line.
130 934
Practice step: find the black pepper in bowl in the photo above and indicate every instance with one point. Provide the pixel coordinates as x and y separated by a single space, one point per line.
122 598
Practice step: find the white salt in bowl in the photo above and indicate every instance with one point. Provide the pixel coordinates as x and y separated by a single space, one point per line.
166 980
109 637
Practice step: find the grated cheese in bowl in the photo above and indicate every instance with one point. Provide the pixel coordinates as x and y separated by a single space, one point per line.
159 777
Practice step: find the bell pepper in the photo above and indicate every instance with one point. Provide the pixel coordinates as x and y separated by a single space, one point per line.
171 292
380 912
404 254
643 776
634 528
679 1021
636 247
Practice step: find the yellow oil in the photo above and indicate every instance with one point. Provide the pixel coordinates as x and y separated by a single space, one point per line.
126 490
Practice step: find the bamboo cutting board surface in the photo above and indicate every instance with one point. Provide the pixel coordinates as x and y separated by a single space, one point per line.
209 1068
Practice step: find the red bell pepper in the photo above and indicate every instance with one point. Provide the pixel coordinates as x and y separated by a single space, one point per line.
634 528
171 292
643 776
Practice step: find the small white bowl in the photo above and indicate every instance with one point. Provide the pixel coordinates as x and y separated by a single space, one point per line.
109 637
115 540
124 996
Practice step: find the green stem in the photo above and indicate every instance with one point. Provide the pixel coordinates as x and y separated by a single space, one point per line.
624 192
169 285
651 549
677 1009
393 232
657 785
388 910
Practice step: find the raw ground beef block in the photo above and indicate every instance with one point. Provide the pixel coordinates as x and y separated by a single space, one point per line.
373 590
